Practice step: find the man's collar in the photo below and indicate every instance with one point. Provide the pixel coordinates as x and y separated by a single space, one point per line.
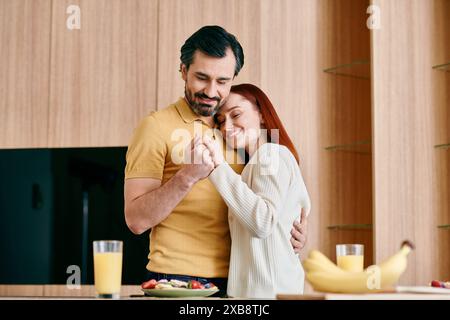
185 111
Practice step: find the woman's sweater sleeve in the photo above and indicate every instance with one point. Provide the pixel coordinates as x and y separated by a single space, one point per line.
257 208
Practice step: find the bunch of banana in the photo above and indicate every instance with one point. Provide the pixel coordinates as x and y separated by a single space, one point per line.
326 276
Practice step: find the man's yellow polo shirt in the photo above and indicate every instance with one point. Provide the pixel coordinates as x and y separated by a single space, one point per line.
194 239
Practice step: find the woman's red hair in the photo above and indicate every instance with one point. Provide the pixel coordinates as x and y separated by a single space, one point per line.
268 113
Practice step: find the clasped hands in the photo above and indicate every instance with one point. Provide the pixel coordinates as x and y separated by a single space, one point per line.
202 155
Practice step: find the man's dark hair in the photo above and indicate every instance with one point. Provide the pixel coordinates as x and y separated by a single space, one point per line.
212 41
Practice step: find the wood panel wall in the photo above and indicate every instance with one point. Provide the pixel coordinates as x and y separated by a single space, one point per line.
103 76
290 67
408 100
24 70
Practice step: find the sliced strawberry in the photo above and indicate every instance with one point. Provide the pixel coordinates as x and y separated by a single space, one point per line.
193 284
436 283
150 284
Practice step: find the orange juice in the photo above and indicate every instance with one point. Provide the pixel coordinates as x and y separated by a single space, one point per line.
354 263
107 272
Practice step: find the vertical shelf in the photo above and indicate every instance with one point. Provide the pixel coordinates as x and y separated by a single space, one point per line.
443 168
350 170
350 116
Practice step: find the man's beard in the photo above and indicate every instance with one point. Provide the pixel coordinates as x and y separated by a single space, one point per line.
201 109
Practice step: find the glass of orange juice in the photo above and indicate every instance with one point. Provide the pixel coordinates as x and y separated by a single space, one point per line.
350 257
108 268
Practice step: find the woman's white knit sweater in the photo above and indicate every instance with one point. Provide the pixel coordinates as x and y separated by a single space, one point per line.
263 203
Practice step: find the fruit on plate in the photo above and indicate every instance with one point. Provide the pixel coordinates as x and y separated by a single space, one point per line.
440 284
176 284
150 284
165 285
211 286
324 275
194 284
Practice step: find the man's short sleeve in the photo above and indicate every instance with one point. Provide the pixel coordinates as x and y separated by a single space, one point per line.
147 151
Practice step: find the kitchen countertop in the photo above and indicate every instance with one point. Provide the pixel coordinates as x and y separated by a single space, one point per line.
133 292
374 296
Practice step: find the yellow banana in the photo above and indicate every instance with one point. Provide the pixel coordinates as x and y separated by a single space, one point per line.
311 265
393 267
356 282
323 259
317 261
323 275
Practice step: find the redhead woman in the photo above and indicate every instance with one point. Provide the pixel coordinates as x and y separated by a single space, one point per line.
263 201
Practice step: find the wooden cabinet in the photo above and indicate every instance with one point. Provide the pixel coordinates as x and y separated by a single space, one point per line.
410 118
24 70
81 87
103 76
403 191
